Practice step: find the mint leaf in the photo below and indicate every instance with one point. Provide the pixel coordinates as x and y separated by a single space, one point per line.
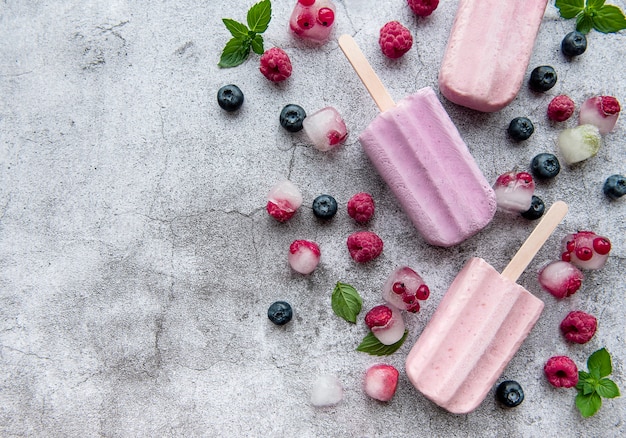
236 29
600 361
584 23
609 19
607 388
373 346
257 44
235 52
259 16
588 404
594 4
570 8
346 302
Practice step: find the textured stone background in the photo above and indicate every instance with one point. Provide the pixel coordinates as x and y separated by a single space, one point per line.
137 261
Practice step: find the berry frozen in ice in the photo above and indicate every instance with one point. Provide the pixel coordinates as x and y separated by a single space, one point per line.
510 393
514 191
325 128
561 372
386 323
574 44
327 391
615 186
280 312
579 326
545 165
579 143
536 210
313 20
423 8
585 249
520 128
291 117
561 108
230 97
560 278
395 40
364 246
600 111
404 288
304 256
361 207
275 64
542 78
324 207
283 200
381 381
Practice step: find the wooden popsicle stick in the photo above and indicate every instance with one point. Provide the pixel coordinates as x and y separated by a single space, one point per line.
366 73
535 241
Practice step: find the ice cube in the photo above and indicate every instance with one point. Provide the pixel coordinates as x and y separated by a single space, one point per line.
325 128
313 19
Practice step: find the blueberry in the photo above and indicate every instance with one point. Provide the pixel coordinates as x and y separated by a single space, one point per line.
545 165
230 97
324 206
280 313
542 78
615 186
291 117
574 44
510 393
537 207
521 128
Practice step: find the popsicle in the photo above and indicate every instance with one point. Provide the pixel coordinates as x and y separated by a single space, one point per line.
421 156
478 326
488 51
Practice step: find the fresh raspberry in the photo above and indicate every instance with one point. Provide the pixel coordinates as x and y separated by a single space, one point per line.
561 372
579 327
561 108
423 8
361 207
395 40
364 246
275 64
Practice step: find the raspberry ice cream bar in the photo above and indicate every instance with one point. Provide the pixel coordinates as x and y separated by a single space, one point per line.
420 154
478 327
488 51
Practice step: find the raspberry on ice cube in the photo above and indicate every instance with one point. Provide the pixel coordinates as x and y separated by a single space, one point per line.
514 191
404 288
325 128
585 249
600 111
313 19
386 323
283 200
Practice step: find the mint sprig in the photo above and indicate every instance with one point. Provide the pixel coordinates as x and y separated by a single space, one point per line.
373 346
246 38
346 302
594 385
592 14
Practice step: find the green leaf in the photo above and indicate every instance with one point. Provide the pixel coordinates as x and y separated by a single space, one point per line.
594 4
570 8
600 361
346 302
607 388
236 29
235 52
609 19
257 44
373 346
588 404
259 16
584 23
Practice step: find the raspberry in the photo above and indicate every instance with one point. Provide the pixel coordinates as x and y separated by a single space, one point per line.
361 207
275 64
364 246
423 8
560 108
395 40
579 327
561 372
378 316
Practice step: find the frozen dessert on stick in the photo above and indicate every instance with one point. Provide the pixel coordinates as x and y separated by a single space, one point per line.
419 153
478 326
488 51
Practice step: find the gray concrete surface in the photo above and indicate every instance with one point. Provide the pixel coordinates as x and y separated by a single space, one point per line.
137 261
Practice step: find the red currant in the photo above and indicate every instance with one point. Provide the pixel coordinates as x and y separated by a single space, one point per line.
325 17
422 292
398 287
305 21
584 253
306 2
601 245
